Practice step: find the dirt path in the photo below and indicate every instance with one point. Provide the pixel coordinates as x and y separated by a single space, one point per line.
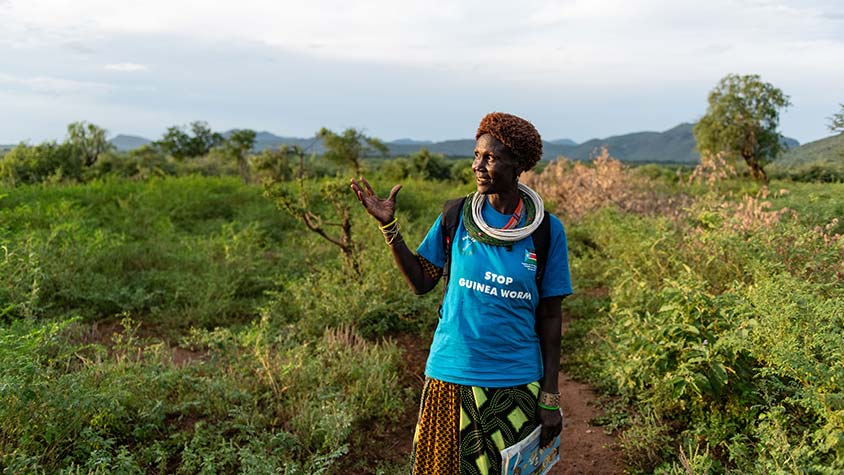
584 449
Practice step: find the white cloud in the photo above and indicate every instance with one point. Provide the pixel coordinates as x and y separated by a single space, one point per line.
55 86
594 54
566 36
127 67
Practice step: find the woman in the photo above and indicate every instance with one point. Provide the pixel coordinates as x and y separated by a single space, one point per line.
492 369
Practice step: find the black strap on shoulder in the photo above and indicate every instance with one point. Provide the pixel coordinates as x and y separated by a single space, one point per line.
541 243
450 220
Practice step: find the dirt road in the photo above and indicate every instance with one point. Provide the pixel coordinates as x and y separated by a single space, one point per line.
584 449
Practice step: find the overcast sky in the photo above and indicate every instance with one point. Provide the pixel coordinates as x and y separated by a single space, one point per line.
422 69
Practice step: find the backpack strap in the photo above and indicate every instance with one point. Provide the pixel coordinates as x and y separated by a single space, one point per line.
542 243
450 220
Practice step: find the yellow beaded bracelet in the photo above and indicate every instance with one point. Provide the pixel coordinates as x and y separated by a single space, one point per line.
390 223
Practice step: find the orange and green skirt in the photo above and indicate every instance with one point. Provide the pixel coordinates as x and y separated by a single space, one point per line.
462 429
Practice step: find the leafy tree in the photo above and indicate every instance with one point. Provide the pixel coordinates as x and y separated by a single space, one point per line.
181 144
742 119
430 166
396 169
273 165
301 206
48 161
461 170
350 147
836 122
238 146
88 140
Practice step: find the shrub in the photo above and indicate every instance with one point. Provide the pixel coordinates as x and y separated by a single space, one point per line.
721 329
575 189
48 161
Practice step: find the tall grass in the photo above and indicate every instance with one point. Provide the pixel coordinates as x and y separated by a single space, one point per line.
185 325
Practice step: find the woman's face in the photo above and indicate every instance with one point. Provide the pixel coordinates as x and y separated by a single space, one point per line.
496 169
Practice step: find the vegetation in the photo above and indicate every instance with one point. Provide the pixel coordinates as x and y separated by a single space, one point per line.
350 148
89 141
189 142
238 147
742 120
163 315
818 161
184 325
713 324
46 162
836 122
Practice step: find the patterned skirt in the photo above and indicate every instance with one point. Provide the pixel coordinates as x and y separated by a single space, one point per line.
462 429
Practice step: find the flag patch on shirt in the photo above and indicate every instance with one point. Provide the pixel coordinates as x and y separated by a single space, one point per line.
530 259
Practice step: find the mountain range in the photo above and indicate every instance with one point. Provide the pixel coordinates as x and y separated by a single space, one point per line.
675 145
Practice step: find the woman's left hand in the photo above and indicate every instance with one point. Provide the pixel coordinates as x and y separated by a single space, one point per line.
552 424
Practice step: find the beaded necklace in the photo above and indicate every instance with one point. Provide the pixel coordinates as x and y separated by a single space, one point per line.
479 230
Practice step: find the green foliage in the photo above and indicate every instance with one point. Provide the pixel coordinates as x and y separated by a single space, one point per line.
141 163
301 204
720 329
396 169
46 162
742 120
181 143
238 146
350 147
818 161
430 166
461 170
253 402
309 208
171 249
836 122
88 140
250 347
275 165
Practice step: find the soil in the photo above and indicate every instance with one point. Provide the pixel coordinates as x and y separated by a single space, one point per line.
104 332
584 449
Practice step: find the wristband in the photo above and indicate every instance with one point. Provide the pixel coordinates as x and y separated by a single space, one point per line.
390 223
548 408
549 399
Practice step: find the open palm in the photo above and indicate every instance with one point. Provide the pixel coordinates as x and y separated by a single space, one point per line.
382 210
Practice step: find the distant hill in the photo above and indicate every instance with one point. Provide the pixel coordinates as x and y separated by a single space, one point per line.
265 140
125 143
823 151
411 142
675 145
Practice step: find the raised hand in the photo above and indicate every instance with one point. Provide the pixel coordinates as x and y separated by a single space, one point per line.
381 210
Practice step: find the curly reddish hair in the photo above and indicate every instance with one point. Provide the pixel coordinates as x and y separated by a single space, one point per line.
519 136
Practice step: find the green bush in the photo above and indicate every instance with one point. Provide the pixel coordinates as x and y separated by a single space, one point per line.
48 161
720 329
251 346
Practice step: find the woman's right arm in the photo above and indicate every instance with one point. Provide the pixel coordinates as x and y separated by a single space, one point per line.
384 212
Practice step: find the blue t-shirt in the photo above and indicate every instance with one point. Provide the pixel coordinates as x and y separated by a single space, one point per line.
486 334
